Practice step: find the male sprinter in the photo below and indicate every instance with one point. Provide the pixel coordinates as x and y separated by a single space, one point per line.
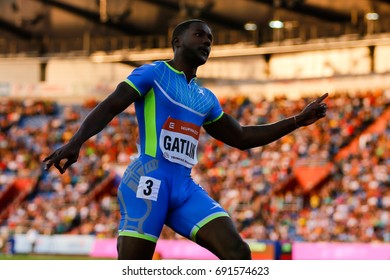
171 108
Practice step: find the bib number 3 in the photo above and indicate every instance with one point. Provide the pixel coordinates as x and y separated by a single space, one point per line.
148 188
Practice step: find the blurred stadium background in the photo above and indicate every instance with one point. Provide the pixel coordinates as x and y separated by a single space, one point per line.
322 192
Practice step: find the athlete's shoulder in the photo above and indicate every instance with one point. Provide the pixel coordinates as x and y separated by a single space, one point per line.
206 91
142 77
155 64
210 101
149 66
146 71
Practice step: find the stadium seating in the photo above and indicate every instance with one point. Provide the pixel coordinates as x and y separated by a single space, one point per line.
260 188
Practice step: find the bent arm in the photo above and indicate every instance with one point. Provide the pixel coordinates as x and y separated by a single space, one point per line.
123 96
231 132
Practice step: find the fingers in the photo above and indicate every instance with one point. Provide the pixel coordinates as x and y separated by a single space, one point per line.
47 166
49 161
320 99
321 108
55 159
67 164
58 166
62 158
48 158
321 111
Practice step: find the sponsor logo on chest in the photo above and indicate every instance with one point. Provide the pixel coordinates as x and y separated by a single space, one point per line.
179 142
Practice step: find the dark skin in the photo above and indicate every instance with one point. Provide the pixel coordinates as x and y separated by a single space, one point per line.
191 50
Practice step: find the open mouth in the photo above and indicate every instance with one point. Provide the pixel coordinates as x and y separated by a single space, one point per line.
204 52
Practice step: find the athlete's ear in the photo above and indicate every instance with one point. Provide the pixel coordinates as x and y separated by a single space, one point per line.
176 42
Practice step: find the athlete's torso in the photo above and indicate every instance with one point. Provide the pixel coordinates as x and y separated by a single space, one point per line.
171 112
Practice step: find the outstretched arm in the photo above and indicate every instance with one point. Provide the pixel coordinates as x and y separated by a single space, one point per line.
123 96
228 130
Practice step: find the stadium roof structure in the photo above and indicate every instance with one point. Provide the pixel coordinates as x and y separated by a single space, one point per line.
59 25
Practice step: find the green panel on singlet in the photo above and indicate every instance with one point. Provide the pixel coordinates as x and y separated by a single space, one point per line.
150 124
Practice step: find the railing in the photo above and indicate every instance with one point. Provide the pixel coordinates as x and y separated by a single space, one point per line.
89 44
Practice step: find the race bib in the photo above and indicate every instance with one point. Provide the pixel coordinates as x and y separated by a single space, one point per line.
179 142
148 188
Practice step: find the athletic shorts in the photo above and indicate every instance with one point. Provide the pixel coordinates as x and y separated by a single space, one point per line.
153 193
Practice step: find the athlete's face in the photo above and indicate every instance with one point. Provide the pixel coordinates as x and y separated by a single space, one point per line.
196 43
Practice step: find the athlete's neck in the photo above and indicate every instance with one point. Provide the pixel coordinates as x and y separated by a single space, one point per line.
189 71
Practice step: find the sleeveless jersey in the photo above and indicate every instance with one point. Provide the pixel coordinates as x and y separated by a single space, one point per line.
171 112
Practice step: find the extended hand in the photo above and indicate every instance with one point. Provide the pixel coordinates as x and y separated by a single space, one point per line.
313 111
69 151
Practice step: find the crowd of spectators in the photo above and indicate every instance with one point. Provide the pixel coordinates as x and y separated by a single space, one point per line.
57 202
353 205
243 182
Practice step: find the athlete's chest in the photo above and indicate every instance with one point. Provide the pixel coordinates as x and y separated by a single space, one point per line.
175 91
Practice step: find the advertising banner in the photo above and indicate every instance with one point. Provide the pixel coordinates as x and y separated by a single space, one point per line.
340 251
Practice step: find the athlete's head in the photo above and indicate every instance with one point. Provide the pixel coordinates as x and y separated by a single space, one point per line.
192 39
181 27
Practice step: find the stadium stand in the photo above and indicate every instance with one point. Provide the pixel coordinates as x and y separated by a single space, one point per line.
258 187
327 182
